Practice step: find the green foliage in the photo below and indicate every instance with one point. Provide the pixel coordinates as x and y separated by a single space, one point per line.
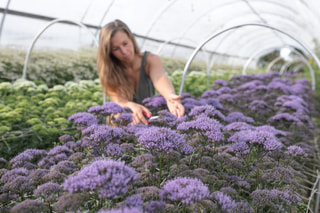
54 67
34 116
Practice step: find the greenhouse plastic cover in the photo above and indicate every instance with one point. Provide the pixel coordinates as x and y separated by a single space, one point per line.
237 29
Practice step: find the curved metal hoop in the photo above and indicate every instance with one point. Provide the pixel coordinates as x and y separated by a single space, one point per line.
302 59
235 27
24 74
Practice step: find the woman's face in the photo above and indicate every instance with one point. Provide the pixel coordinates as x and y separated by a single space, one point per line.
122 47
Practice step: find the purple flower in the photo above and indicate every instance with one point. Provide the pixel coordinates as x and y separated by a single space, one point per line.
28 206
149 192
163 139
48 161
228 98
113 150
83 119
214 102
104 133
271 129
250 85
19 185
126 117
107 178
36 176
220 82
106 109
122 210
49 191
70 202
155 206
267 139
237 126
12 174
134 201
285 98
295 105
280 174
240 148
224 90
27 159
189 103
3 163
273 199
184 190
165 119
277 85
209 94
135 128
238 117
260 107
65 138
284 117
295 151
55 176
225 202
207 110
210 128
243 207
67 167
155 103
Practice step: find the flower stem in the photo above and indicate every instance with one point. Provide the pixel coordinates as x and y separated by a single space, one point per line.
160 172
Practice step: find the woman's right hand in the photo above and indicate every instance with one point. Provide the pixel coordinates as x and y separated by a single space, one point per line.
138 111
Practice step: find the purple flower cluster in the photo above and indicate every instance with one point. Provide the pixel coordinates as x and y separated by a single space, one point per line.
49 191
264 138
210 94
108 108
295 151
237 126
260 107
134 201
28 159
29 205
208 111
210 128
184 190
284 117
274 199
65 138
122 210
83 119
163 139
107 178
250 149
104 133
238 117
156 102
220 83
155 206
225 202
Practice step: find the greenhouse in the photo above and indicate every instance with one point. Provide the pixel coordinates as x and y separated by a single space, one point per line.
231 126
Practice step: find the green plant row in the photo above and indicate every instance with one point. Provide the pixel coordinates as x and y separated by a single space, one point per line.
33 116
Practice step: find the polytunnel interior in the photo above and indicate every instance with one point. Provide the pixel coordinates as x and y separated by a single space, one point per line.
246 36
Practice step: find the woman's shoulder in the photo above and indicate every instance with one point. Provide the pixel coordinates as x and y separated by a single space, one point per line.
152 58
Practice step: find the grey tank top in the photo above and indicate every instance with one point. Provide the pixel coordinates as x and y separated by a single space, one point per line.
145 85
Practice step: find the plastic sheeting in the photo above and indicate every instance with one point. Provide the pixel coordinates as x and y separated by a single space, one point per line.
171 28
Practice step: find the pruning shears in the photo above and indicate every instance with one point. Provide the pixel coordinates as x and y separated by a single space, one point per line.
149 118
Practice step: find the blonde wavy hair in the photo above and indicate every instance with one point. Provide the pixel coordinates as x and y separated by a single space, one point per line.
111 74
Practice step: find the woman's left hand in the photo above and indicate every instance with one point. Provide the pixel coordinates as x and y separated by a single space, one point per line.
174 105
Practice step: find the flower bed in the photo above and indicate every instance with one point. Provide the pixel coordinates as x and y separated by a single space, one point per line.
243 146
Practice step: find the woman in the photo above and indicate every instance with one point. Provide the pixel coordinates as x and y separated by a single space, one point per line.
128 76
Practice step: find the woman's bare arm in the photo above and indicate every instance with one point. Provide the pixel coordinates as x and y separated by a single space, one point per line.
163 85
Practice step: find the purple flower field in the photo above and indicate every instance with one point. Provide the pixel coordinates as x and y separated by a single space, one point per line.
245 145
